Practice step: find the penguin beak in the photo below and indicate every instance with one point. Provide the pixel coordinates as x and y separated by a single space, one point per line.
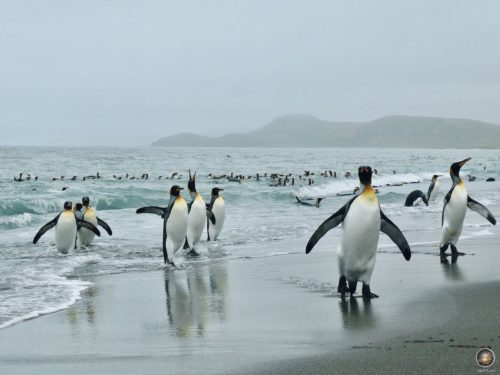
464 161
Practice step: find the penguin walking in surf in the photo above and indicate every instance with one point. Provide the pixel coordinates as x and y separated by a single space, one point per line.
198 213
88 214
216 207
433 188
175 217
362 221
455 205
66 226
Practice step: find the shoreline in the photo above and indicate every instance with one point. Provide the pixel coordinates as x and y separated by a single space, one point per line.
261 315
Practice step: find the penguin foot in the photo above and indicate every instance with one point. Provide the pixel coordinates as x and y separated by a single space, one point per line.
367 294
193 253
342 287
352 287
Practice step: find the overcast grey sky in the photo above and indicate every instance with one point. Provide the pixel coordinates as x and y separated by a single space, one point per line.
129 72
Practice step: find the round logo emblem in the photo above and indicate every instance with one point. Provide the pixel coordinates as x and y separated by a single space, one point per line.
485 358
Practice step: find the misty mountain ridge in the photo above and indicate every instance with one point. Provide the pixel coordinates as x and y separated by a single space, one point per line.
302 130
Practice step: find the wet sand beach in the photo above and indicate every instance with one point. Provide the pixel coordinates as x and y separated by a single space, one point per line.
276 314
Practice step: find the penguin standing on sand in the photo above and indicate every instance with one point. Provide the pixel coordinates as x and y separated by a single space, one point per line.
175 217
218 208
86 236
455 205
66 226
362 221
433 188
198 213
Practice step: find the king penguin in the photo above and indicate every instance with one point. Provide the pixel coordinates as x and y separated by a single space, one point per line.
198 213
175 217
455 205
86 236
66 226
216 207
433 188
362 221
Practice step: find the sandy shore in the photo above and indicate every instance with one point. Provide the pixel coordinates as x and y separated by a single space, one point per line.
276 314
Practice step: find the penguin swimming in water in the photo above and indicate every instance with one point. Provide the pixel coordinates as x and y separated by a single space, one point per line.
198 213
316 204
66 226
413 196
175 217
85 236
433 188
218 208
455 205
362 221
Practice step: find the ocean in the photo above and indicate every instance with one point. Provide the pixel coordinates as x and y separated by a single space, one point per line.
262 219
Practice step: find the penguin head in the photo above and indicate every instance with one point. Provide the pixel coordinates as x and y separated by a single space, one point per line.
175 190
68 205
86 201
192 183
365 175
455 169
435 177
215 191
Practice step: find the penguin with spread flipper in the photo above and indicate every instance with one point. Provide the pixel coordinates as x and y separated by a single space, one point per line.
66 226
175 217
362 221
453 215
88 214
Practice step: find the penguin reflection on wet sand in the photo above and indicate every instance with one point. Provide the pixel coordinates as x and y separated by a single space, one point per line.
175 217
362 221
455 205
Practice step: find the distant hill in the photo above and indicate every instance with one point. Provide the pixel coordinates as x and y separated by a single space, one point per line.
390 131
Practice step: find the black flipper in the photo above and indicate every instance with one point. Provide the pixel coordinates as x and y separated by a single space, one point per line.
166 214
106 227
211 216
160 211
433 182
389 228
189 206
51 224
89 226
164 243
186 244
328 224
481 210
413 196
